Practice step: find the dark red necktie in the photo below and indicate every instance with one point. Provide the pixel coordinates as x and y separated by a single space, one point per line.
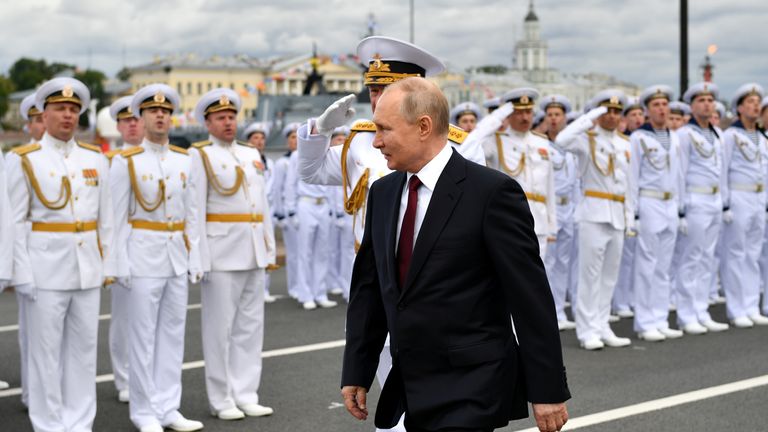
405 244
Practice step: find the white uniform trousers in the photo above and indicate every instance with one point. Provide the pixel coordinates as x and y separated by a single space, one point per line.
290 239
158 310
22 301
333 276
233 336
653 256
346 256
542 245
314 225
119 335
267 277
740 253
599 256
558 265
573 279
623 295
697 249
63 330
764 268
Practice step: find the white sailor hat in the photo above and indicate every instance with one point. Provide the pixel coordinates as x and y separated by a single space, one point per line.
699 89
744 91
152 96
492 103
555 100
658 91
256 127
121 108
611 98
218 99
522 98
63 89
465 108
341 130
538 116
571 116
27 109
764 104
633 103
720 108
680 108
390 60
290 128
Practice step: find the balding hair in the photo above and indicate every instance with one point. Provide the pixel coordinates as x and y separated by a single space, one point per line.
422 98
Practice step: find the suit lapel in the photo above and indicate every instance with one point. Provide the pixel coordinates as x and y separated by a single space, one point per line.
444 199
391 233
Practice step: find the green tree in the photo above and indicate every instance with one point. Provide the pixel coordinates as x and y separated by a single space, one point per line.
124 74
492 69
94 80
6 88
26 73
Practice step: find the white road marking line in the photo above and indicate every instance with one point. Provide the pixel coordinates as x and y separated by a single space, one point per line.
335 405
659 404
200 363
15 327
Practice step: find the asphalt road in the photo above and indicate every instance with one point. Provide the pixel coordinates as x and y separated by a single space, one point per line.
303 387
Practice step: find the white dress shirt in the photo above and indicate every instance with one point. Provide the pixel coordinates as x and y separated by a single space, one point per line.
429 174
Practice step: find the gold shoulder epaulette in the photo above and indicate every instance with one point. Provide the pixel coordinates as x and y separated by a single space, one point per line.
243 143
112 153
540 135
364 126
90 147
456 134
622 136
178 149
201 144
29 148
132 151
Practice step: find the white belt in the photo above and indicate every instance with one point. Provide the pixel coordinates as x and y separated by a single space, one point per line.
652 193
706 190
748 187
313 200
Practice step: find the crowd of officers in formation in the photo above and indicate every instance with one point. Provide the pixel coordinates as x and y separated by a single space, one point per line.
641 205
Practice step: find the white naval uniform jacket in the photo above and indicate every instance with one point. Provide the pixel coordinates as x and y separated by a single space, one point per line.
6 229
594 150
744 162
526 157
232 246
61 260
701 162
155 253
319 163
566 184
656 172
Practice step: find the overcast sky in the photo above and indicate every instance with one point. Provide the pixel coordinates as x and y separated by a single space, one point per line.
636 41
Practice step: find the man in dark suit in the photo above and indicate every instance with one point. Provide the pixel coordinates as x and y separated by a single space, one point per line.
448 254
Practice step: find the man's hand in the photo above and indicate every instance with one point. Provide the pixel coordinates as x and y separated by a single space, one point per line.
728 216
354 400
338 114
503 111
550 417
595 113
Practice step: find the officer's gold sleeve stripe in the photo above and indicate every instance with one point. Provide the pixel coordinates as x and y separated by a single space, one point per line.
29 148
178 149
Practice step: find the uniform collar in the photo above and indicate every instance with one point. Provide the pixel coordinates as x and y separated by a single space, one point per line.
219 142
155 147
62 147
604 132
517 134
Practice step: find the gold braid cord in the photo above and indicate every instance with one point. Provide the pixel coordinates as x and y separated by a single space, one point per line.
647 156
611 167
503 162
239 175
355 199
148 207
65 192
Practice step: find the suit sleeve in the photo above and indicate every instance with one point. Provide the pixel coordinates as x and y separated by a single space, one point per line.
512 246
366 320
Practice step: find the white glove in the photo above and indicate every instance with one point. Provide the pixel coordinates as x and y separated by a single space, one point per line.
3 284
28 290
503 111
683 226
124 282
294 222
336 115
728 216
196 276
339 221
595 113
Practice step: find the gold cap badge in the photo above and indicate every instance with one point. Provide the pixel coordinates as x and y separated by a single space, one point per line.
159 97
67 91
524 99
224 100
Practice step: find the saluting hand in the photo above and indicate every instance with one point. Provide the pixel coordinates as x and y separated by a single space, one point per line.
354 400
550 417
595 113
336 115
